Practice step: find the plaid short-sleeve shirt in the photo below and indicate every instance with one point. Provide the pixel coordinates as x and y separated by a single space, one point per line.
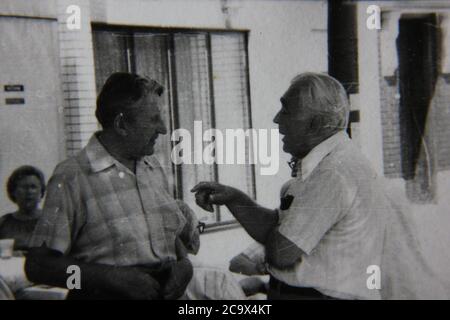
97 210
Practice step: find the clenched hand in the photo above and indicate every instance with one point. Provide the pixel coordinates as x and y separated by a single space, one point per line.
209 193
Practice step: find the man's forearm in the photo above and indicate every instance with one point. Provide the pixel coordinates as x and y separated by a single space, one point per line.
46 266
256 220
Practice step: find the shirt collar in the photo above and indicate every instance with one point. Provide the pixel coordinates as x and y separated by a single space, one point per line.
100 159
318 153
151 161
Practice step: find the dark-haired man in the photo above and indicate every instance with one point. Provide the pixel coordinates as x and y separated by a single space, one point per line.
109 209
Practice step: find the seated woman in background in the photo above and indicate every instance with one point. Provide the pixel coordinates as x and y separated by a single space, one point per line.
26 187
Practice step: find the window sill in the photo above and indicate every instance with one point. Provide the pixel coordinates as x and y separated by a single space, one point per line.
221 226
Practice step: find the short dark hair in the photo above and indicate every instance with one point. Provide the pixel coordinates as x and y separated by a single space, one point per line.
120 92
19 174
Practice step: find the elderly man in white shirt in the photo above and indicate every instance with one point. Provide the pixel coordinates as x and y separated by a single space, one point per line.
329 227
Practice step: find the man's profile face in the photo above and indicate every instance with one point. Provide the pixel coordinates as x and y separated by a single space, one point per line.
146 126
294 123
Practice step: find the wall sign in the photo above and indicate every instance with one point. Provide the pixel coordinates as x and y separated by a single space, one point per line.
15 101
14 88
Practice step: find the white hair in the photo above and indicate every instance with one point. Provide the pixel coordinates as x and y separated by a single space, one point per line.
324 96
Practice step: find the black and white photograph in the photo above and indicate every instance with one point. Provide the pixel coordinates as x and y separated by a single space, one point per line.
244 150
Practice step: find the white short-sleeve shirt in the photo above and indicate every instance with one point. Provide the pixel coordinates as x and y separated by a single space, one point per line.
336 219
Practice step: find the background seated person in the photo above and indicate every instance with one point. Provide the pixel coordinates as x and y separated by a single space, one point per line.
26 188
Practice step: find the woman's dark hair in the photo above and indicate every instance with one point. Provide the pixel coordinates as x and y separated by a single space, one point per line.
120 92
19 174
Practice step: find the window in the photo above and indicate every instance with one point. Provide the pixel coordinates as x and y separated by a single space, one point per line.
207 80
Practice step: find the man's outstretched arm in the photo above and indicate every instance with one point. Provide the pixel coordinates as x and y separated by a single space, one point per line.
256 220
259 222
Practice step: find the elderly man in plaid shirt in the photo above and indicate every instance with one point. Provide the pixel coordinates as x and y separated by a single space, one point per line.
109 210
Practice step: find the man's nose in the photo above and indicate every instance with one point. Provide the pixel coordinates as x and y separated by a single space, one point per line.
162 129
276 118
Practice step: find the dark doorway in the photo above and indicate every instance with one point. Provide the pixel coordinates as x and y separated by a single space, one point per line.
417 48
343 44
343 48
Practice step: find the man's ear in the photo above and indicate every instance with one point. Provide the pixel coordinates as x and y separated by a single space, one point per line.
119 125
316 124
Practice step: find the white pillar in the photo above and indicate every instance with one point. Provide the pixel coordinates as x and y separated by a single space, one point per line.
370 139
77 74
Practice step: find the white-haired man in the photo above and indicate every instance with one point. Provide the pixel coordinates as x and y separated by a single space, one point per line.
329 227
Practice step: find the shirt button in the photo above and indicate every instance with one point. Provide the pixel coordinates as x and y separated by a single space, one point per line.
121 175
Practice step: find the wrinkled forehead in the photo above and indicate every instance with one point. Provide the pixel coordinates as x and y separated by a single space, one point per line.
308 93
290 99
291 93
